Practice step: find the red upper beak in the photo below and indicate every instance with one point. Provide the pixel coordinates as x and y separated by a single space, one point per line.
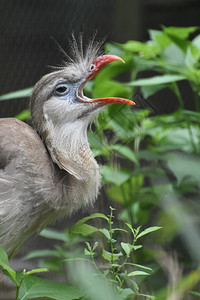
102 61
96 66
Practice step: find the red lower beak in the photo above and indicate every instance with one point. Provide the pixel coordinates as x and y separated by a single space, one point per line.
109 100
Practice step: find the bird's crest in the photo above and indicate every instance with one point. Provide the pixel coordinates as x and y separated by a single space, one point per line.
80 51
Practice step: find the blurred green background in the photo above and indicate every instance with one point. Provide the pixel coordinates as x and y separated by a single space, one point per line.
149 154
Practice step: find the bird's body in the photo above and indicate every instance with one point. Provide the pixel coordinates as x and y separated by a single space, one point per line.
49 171
28 203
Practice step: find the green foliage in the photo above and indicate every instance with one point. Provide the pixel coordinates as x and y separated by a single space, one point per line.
113 274
17 94
169 52
117 255
154 163
25 114
29 286
151 171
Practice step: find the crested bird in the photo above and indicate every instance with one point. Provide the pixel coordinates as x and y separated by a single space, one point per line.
47 170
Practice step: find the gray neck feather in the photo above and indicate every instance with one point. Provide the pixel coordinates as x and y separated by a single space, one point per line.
68 146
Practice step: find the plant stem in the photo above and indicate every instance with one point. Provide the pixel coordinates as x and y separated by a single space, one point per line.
137 143
127 202
111 234
17 293
112 248
96 267
178 94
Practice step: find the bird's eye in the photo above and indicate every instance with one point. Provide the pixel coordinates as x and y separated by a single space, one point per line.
61 89
92 67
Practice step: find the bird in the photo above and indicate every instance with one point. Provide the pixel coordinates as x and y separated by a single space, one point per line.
47 170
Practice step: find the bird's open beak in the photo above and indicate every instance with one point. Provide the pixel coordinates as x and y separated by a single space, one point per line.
96 66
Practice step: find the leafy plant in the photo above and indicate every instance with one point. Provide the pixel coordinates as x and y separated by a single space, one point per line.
110 266
150 169
152 163
117 256
170 53
29 286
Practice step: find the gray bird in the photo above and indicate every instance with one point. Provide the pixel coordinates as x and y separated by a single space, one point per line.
49 171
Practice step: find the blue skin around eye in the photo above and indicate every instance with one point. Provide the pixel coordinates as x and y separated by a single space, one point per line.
70 93
65 94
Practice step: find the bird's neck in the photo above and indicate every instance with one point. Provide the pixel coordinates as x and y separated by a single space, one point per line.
69 149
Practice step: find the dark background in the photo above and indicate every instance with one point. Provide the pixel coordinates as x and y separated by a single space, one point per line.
27 28
27 49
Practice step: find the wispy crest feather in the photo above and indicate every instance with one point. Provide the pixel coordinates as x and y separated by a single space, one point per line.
81 52
87 50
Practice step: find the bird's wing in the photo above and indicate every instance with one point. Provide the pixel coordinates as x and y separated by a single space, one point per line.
23 161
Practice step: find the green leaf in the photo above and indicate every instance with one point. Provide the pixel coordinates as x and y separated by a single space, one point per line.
3 258
146 50
183 165
109 256
173 138
5 265
86 252
196 42
148 230
25 114
195 293
140 266
192 57
106 255
83 229
95 141
18 94
40 270
114 49
108 72
88 245
180 32
95 245
77 259
136 273
175 56
150 90
54 235
120 229
125 151
116 176
105 232
161 39
115 193
127 248
91 217
42 253
94 287
136 247
35 287
147 296
126 293
155 80
179 36
130 227
110 88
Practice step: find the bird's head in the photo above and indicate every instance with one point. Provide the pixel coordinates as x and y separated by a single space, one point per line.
61 112
58 97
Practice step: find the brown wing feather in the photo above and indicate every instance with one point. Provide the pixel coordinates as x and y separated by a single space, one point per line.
20 192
